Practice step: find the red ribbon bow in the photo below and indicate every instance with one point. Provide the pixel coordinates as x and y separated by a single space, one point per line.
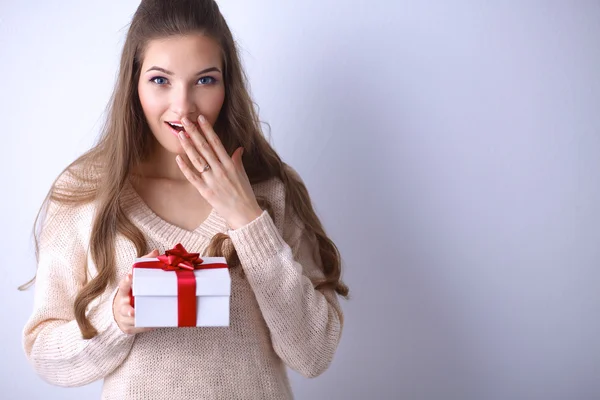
184 264
178 258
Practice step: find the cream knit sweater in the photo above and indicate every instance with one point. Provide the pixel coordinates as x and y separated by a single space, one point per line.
277 317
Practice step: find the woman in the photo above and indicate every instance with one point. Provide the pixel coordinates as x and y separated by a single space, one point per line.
162 174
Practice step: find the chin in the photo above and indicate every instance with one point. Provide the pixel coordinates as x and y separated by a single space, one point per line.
175 149
169 143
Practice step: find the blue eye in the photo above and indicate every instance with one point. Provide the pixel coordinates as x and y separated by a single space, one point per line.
212 80
155 80
205 80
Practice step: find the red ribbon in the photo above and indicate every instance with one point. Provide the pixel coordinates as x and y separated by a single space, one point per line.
184 264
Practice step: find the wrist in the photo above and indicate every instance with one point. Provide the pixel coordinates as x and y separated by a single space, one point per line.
246 218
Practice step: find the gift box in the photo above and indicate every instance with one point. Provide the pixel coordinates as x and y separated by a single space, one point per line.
180 289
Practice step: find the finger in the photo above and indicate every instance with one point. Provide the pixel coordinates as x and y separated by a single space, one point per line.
214 141
192 156
124 286
190 175
127 314
186 159
202 146
124 300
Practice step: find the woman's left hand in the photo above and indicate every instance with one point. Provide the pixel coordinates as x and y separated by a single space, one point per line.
220 179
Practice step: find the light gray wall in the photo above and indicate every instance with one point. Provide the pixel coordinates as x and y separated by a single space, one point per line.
451 149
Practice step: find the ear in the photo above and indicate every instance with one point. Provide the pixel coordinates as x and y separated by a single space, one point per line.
236 157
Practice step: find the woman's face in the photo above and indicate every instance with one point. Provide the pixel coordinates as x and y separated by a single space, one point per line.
181 76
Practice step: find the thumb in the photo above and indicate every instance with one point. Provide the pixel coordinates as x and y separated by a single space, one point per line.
237 158
153 253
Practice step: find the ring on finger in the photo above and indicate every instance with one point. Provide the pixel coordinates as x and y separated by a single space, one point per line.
206 168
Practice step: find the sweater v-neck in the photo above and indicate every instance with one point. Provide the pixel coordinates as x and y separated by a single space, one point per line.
141 213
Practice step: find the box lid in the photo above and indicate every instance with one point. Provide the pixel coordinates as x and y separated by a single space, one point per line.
156 282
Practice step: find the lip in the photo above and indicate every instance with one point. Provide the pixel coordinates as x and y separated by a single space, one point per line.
175 131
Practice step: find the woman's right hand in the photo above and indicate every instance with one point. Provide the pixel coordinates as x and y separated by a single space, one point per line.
122 311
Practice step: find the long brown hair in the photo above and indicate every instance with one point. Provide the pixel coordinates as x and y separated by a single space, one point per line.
125 141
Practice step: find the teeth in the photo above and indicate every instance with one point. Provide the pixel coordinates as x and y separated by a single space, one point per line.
177 125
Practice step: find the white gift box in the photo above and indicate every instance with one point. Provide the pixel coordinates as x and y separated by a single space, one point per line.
155 295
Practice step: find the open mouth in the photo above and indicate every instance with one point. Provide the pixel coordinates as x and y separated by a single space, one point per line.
175 126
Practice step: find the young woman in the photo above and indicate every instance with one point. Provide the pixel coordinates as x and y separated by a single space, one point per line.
182 160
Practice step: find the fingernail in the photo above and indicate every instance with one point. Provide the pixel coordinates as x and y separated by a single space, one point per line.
242 152
185 121
202 119
181 135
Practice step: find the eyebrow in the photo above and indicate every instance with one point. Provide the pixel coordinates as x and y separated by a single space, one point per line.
204 71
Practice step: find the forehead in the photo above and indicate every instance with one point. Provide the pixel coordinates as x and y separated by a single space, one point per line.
181 54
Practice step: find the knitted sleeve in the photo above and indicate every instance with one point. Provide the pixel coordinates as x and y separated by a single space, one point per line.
51 338
305 323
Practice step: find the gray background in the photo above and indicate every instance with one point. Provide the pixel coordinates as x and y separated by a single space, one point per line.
452 152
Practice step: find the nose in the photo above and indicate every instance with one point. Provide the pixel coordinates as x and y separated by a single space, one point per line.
182 102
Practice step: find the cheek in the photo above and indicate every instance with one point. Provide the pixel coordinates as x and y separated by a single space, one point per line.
212 104
151 103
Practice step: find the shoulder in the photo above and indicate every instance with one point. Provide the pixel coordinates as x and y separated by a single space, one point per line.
63 222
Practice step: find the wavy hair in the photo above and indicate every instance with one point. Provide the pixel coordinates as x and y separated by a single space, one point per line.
125 142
